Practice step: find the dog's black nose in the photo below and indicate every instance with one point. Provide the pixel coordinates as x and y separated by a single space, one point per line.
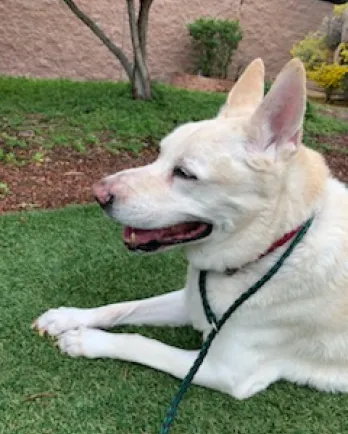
102 194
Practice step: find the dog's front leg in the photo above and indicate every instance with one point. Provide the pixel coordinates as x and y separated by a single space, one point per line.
167 309
94 343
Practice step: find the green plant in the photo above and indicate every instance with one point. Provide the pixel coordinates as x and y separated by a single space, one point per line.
325 53
310 111
60 139
9 157
79 146
329 77
343 53
38 157
4 189
332 26
12 140
214 41
312 50
339 10
92 138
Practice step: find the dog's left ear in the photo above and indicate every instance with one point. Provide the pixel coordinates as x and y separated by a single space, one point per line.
276 125
247 93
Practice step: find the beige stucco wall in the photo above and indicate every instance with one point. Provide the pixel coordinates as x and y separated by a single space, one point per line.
42 38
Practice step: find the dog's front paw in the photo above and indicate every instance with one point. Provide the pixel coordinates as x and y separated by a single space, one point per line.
90 343
57 321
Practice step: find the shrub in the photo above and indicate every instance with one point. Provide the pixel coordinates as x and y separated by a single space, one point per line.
339 10
324 46
332 26
343 53
329 77
312 50
214 41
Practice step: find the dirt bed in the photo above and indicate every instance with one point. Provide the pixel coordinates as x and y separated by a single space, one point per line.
64 177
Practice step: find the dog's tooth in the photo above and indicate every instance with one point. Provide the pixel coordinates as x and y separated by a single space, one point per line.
133 237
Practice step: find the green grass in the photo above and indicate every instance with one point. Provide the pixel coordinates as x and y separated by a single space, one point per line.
75 257
49 113
78 114
319 123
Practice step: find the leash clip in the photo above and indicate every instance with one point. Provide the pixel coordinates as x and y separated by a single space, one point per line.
213 323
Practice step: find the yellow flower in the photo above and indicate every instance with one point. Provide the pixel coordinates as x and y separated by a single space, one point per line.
329 76
340 9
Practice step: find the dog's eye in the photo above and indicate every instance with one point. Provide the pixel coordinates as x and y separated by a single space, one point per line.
180 172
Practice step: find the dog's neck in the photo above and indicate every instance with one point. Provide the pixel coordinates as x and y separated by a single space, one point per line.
280 242
305 186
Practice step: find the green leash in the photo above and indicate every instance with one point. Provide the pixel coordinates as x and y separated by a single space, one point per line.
218 324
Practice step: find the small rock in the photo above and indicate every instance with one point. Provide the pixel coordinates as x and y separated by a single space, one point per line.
26 134
73 173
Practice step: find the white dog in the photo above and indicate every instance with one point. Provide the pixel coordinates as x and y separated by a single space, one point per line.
228 189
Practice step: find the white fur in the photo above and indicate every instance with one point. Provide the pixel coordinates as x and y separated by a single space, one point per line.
256 182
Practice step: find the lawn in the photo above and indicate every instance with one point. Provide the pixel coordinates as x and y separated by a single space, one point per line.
43 114
50 113
75 257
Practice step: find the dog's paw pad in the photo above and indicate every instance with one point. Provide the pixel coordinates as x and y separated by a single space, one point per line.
57 321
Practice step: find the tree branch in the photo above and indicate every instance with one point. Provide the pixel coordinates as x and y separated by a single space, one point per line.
115 50
143 19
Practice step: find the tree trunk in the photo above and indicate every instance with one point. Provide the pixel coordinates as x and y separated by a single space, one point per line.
345 88
141 79
141 86
328 94
137 72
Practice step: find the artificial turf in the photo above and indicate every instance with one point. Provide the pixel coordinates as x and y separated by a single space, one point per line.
75 257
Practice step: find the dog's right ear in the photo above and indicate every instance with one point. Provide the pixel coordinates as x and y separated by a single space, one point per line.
247 93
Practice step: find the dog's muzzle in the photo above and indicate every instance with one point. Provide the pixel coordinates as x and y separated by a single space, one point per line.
150 240
103 195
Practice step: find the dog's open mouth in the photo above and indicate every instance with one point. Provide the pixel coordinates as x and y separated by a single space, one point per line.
150 240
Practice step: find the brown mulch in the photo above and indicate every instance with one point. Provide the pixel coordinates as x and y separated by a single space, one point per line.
337 157
65 176
338 142
197 82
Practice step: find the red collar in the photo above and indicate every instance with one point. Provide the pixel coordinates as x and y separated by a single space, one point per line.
278 243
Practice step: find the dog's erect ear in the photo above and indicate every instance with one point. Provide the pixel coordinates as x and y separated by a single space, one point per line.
247 93
277 123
